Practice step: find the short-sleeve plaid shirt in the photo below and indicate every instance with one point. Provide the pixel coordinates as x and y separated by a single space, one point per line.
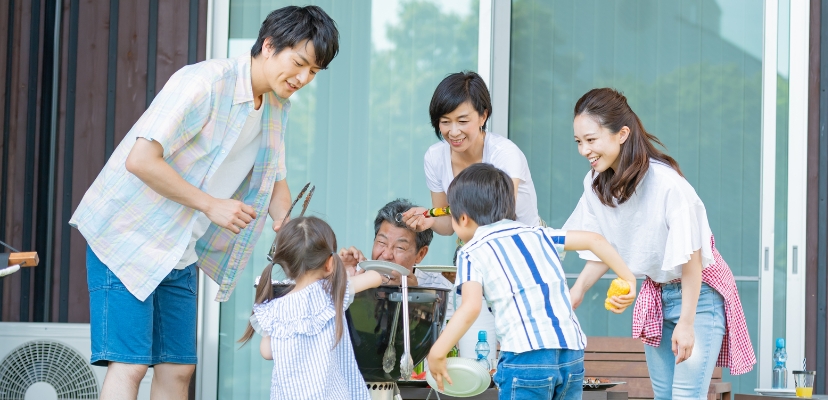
197 117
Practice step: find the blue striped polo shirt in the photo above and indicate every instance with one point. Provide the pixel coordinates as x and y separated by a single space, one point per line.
523 281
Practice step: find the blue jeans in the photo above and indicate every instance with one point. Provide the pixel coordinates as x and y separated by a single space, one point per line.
540 374
161 329
691 378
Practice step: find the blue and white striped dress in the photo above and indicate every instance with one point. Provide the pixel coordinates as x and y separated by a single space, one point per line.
302 329
520 270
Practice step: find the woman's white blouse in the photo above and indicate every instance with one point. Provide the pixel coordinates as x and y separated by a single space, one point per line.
655 231
498 151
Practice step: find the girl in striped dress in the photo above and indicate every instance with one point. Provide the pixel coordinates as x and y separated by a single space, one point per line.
688 310
304 330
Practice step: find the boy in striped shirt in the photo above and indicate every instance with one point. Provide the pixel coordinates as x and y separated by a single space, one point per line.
518 270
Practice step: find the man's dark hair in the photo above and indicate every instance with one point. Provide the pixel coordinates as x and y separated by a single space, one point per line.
290 25
484 193
388 213
455 90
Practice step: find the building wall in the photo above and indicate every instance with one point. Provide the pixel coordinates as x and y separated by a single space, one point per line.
817 230
108 52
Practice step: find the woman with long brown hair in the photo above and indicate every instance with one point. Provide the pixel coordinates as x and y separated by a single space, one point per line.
303 326
688 310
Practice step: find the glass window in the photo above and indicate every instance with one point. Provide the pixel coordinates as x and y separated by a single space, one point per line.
692 71
358 132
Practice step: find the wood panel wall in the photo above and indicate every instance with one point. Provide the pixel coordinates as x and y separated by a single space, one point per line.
113 57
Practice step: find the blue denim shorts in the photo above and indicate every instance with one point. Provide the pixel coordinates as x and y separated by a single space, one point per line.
161 329
554 374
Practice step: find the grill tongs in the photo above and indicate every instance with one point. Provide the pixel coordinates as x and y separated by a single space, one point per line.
272 251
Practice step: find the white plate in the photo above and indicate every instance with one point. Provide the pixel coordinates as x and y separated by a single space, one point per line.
383 267
436 268
776 392
468 376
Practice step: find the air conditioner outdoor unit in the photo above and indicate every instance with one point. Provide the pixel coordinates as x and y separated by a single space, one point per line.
50 361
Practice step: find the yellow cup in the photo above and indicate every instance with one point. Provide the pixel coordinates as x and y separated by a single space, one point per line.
804 381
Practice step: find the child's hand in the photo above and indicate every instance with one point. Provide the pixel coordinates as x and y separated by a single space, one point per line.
620 303
437 367
576 295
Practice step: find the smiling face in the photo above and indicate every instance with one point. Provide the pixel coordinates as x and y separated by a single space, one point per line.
461 128
287 71
598 144
397 245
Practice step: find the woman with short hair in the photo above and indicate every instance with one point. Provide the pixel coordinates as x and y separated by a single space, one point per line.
459 110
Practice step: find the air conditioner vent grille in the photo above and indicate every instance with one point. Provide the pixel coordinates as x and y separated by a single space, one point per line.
50 362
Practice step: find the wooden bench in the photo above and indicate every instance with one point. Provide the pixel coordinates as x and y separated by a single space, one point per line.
622 359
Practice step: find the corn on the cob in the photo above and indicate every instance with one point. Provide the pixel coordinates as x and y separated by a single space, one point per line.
618 287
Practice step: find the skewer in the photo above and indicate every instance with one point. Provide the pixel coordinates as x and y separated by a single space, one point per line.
431 212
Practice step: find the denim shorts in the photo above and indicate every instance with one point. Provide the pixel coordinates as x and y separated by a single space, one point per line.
161 329
553 374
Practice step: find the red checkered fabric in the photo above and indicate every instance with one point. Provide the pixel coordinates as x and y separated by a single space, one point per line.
737 351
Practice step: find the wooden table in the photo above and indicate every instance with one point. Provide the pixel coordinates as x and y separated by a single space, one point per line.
418 393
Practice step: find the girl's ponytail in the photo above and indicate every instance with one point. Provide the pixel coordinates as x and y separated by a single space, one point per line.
264 292
338 283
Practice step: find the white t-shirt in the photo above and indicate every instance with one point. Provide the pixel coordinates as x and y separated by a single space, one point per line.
498 151
228 177
655 231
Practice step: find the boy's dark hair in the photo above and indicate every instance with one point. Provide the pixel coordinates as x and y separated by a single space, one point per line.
455 90
388 213
290 25
484 193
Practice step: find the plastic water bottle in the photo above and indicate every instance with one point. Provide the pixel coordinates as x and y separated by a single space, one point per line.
780 373
482 350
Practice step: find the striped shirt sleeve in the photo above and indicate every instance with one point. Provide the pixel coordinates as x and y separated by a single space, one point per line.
468 269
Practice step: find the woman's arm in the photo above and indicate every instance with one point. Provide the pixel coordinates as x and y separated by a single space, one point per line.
593 270
516 183
441 225
684 337
265 349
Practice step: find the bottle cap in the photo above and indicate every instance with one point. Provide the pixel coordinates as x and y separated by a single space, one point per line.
481 336
780 342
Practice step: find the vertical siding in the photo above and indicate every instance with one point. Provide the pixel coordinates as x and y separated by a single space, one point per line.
102 90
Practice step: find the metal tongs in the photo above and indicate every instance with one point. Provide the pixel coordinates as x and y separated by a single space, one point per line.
272 252
406 362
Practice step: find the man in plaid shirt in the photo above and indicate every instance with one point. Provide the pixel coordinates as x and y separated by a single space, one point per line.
190 186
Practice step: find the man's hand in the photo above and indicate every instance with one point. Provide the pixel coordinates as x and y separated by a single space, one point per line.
279 204
684 338
350 258
277 224
230 214
437 366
